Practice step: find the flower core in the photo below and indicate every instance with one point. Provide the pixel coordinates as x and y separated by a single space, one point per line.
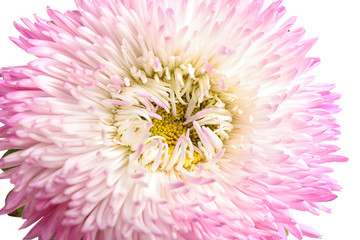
177 124
171 127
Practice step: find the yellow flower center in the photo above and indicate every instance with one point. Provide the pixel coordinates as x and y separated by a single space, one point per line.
171 127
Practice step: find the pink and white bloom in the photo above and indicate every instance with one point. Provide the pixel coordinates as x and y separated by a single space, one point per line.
176 119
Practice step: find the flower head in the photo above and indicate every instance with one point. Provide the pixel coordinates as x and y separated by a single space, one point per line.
170 119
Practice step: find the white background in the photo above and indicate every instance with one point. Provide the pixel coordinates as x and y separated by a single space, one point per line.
336 23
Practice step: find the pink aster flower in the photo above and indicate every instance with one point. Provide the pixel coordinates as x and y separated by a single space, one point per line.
169 119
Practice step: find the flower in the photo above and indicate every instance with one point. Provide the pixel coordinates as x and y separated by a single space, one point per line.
170 119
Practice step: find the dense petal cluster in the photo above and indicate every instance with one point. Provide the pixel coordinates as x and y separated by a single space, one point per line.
177 119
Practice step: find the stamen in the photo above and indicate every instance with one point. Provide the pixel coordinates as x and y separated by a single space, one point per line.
171 127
